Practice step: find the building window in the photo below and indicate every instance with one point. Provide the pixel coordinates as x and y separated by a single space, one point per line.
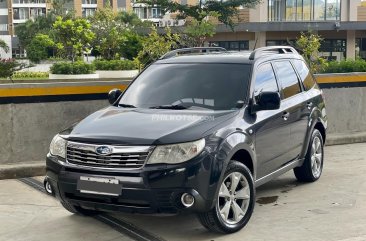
141 12
36 12
304 10
291 10
18 53
156 13
332 10
280 42
231 45
361 47
20 13
3 27
89 1
86 12
333 49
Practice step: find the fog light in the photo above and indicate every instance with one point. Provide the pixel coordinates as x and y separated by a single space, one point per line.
48 187
187 200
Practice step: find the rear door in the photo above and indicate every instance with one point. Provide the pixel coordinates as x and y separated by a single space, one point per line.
294 104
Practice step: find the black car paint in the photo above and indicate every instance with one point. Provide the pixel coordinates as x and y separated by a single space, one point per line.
263 135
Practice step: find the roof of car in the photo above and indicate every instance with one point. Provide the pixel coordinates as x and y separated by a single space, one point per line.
220 57
228 57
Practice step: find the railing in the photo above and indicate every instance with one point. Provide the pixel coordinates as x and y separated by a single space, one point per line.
29 1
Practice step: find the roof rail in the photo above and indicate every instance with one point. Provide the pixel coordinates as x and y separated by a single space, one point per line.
175 52
278 49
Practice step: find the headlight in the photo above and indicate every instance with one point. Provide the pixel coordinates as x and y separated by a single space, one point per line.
58 147
177 153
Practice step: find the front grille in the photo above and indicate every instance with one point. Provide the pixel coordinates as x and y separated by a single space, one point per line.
121 157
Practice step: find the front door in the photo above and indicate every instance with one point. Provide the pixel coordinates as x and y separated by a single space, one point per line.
271 126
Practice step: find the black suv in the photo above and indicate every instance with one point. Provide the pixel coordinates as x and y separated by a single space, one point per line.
198 130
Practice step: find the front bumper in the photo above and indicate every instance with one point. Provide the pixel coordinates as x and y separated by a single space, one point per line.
153 189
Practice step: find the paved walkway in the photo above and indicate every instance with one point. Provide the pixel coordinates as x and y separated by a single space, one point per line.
334 208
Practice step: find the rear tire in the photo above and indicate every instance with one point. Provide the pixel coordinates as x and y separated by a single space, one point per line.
235 202
312 168
78 210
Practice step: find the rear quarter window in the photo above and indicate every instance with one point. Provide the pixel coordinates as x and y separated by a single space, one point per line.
306 78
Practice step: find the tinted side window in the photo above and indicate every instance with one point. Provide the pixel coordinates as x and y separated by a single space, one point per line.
265 80
288 78
304 73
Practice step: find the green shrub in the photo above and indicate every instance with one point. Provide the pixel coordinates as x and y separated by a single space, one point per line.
115 64
75 68
346 66
28 74
8 67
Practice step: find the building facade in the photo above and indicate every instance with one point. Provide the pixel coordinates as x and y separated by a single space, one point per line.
13 12
341 24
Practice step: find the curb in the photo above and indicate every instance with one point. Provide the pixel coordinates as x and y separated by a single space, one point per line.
19 170
342 139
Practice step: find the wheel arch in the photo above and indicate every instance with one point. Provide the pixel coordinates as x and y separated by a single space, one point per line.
316 123
237 145
244 157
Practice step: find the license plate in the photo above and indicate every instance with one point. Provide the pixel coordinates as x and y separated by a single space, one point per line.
99 185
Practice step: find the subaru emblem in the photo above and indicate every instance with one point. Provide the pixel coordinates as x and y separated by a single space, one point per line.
103 150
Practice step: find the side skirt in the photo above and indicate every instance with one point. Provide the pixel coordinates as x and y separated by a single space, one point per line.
278 172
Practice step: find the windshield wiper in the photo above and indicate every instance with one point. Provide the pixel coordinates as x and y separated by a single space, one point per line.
172 107
127 106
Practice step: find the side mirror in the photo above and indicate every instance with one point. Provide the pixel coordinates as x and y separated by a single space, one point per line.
113 95
267 101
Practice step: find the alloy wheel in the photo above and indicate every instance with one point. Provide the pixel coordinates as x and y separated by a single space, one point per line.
234 198
316 157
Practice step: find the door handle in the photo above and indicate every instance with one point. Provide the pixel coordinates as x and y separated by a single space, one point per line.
285 115
309 105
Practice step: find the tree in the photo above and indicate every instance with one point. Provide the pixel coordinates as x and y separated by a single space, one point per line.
38 48
28 30
131 45
130 19
72 37
9 66
4 46
60 8
226 9
155 45
109 33
309 44
197 31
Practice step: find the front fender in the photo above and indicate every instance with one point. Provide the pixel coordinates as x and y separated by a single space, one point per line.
227 149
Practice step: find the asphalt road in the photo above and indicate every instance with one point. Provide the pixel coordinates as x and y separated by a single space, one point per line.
333 208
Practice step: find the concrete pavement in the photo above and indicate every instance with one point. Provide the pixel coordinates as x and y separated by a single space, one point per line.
333 208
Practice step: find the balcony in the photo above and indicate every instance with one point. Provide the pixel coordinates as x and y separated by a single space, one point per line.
29 3
89 4
21 15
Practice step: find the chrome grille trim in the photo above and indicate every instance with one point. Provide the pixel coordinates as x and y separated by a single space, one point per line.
121 157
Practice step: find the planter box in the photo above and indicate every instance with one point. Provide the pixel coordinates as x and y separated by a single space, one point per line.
117 74
76 76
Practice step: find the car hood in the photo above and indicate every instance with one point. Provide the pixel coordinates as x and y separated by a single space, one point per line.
126 126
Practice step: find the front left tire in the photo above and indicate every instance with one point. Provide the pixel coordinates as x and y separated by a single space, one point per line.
235 201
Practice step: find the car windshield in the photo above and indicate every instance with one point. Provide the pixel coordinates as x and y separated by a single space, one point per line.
183 86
